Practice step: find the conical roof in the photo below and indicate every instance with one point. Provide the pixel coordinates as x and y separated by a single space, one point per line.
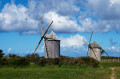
95 45
52 36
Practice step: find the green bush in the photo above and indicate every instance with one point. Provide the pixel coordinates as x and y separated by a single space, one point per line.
48 61
3 61
90 62
34 58
1 53
18 61
78 61
14 62
66 60
81 61
41 61
106 57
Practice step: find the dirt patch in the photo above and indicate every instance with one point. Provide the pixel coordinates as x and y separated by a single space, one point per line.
113 73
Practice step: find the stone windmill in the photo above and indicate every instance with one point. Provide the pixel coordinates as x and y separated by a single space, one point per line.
51 43
95 49
52 46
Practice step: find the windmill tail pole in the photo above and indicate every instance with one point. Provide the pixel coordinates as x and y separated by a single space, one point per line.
106 53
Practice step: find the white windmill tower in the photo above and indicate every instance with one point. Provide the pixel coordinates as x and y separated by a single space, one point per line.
51 43
95 49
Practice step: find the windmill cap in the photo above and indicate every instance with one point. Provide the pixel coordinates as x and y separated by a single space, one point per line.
52 36
95 44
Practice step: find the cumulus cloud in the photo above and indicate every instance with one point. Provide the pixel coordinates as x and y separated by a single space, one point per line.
76 40
104 9
63 7
114 1
112 48
15 18
25 19
107 12
9 49
68 17
62 23
113 51
88 25
73 46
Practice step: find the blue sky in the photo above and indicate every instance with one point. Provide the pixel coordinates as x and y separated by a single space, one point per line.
74 21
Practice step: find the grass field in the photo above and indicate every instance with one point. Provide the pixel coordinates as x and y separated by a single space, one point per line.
63 72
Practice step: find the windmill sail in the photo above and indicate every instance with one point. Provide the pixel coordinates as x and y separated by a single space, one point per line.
95 49
43 36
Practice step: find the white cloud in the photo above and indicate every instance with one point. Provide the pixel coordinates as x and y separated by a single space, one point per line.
62 23
76 40
113 47
89 25
102 15
63 7
99 16
104 9
27 51
9 49
73 46
113 51
15 18
114 1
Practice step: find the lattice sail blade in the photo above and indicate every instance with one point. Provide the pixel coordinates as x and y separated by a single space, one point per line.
41 26
38 44
87 51
85 42
47 29
90 37
94 52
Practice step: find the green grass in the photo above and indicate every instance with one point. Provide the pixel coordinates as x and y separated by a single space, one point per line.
63 72
54 72
117 72
108 64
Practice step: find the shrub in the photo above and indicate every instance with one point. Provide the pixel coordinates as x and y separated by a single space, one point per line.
3 61
81 61
66 60
14 62
48 61
1 53
13 56
41 62
90 61
18 61
34 58
106 57
78 61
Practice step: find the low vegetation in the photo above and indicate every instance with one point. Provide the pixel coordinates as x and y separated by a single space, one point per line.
41 61
14 60
34 67
106 57
54 72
